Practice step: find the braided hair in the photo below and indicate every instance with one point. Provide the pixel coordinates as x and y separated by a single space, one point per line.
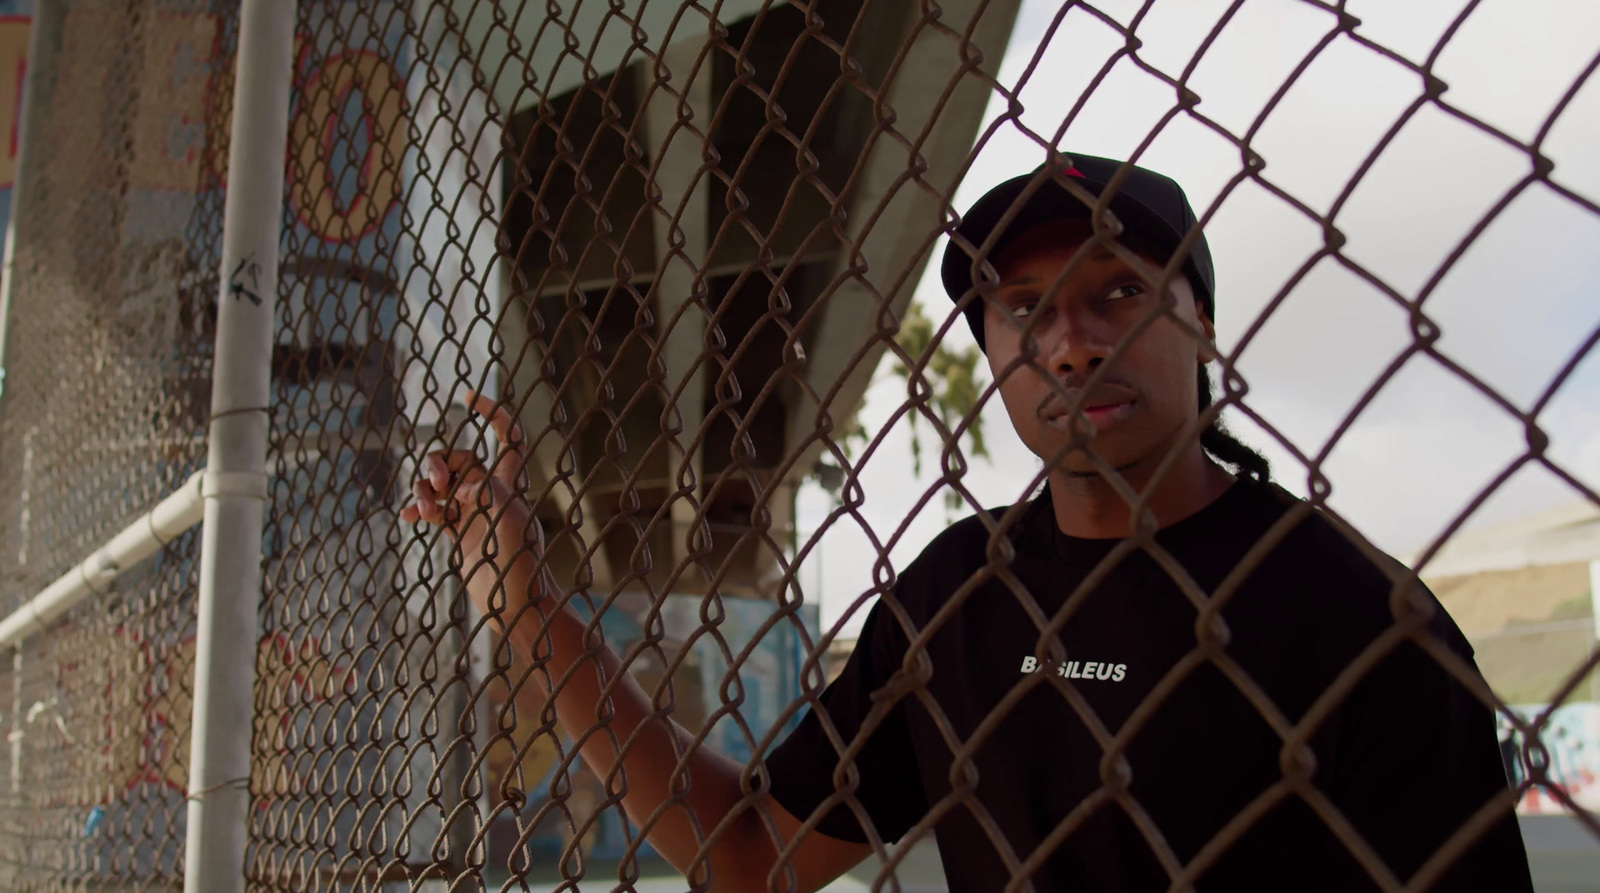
1222 445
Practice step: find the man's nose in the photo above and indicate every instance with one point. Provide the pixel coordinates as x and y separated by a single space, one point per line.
1073 344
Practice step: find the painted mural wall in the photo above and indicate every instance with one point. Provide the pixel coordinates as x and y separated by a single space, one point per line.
356 167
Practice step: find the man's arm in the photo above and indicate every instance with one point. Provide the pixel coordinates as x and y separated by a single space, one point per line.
506 580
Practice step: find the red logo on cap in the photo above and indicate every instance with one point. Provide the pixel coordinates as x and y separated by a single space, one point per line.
1074 172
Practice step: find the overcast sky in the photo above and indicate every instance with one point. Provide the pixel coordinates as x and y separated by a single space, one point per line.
1513 310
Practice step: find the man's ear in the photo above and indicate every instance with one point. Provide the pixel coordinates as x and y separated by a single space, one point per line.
1208 348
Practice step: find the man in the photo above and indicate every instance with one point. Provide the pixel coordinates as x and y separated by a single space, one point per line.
1219 688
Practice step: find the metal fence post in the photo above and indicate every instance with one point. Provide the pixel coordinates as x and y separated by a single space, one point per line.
235 485
46 16
1594 607
15 735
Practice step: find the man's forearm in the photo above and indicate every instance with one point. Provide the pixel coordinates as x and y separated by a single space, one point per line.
499 549
556 642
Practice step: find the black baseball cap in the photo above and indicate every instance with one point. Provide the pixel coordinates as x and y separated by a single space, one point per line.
1152 208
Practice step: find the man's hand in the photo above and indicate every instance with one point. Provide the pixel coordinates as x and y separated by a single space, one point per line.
458 492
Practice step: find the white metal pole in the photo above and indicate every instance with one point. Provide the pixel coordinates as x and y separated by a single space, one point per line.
139 540
47 18
1594 684
235 483
15 737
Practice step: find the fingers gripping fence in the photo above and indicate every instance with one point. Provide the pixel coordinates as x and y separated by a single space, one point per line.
576 303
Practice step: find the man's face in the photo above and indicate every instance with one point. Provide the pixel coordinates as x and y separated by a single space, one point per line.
1143 401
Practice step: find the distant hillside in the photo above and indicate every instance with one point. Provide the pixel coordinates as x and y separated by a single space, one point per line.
1521 593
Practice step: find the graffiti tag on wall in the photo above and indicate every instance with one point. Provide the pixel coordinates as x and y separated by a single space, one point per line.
1570 755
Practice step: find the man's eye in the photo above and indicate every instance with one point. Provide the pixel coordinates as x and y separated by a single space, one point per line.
1124 291
1024 308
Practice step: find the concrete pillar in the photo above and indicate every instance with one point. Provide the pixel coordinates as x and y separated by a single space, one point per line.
544 419
1594 681
677 114
891 242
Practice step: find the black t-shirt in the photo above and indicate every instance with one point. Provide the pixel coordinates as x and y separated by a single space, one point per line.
1406 757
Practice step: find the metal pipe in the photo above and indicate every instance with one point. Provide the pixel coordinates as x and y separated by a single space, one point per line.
15 735
1594 681
138 541
47 17
230 567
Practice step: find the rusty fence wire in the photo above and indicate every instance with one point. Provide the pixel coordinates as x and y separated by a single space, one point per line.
676 242
109 339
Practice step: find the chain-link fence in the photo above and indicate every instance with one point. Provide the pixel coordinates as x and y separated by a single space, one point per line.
109 343
674 242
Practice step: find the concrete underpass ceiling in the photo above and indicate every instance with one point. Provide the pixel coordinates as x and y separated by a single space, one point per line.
601 34
740 442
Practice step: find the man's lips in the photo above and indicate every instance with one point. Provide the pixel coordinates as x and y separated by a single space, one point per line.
1109 413
1101 413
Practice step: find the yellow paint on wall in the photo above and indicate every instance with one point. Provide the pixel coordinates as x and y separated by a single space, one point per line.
315 184
169 131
